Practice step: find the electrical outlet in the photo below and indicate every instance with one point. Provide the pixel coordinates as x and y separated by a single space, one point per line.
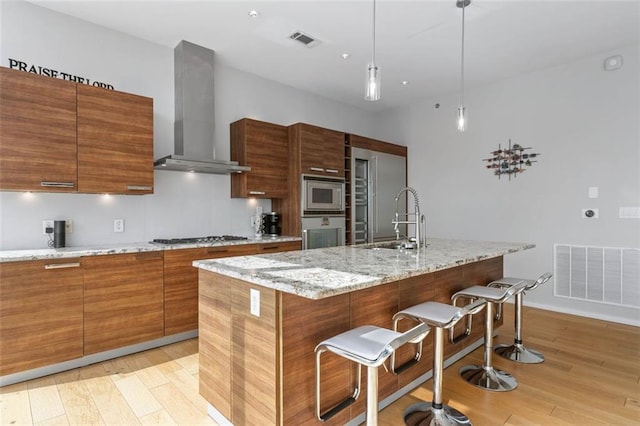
118 225
47 224
255 302
68 226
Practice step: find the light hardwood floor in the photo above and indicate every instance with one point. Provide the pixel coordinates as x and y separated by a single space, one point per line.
591 376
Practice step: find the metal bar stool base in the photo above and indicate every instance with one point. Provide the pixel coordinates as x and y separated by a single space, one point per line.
518 353
423 414
488 378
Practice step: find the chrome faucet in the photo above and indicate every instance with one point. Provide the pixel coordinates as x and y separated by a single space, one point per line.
420 237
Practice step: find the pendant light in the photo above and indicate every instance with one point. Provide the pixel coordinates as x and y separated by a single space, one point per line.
373 72
461 112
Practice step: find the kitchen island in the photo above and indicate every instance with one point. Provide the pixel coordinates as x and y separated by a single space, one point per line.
261 317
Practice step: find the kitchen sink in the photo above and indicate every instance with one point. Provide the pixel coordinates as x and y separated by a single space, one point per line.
392 245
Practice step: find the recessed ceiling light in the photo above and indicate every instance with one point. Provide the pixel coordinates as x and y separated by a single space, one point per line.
346 55
254 13
405 82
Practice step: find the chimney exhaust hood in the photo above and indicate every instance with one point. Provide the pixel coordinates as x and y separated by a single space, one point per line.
194 146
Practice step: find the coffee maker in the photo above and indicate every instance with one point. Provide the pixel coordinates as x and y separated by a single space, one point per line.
271 224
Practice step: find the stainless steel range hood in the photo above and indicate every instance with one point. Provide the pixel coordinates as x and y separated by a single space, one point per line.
194 145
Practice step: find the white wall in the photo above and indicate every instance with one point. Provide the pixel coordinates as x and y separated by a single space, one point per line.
586 124
183 204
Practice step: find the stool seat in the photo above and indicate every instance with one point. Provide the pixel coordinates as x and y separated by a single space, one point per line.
366 345
434 314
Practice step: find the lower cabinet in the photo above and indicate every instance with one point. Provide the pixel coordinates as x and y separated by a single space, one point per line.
123 300
40 313
62 309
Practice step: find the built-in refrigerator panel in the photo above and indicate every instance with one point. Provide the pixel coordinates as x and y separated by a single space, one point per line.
376 179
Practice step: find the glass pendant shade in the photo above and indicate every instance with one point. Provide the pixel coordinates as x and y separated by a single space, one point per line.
461 118
373 84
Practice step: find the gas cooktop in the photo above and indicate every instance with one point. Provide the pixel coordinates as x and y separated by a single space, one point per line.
208 239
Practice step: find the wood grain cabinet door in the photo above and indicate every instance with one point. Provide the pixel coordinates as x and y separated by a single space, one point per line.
321 150
181 283
37 133
264 147
115 142
40 313
123 300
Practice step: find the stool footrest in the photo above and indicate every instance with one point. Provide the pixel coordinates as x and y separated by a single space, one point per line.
405 366
335 410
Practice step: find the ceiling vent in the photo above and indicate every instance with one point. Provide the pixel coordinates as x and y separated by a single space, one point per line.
303 38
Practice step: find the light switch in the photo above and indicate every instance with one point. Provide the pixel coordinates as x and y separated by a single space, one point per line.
593 192
629 213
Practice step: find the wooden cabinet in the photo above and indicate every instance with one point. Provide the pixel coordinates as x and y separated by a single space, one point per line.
279 246
37 133
115 142
263 147
181 279
40 313
60 136
181 284
123 300
320 151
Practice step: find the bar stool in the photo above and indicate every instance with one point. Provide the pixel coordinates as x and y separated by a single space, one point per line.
517 351
369 346
439 316
485 376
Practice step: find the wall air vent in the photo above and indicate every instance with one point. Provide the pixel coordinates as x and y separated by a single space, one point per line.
305 39
609 275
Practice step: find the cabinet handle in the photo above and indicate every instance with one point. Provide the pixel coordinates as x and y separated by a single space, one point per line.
57 184
331 171
62 265
270 247
216 250
316 169
139 188
257 193
149 256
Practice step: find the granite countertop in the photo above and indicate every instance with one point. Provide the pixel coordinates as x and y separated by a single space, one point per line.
320 273
102 249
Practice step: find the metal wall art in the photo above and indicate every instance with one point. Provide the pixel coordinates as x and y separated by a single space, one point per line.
510 161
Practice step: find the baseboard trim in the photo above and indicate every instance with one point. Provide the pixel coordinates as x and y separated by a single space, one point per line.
586 314
22 376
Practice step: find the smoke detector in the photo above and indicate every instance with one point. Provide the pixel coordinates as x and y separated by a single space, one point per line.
305 39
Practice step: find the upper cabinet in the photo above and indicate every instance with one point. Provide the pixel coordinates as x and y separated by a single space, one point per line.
60 136
263 147
38 150
320 151
115 142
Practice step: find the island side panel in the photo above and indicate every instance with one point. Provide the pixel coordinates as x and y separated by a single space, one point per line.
214 342
305 323
255 367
